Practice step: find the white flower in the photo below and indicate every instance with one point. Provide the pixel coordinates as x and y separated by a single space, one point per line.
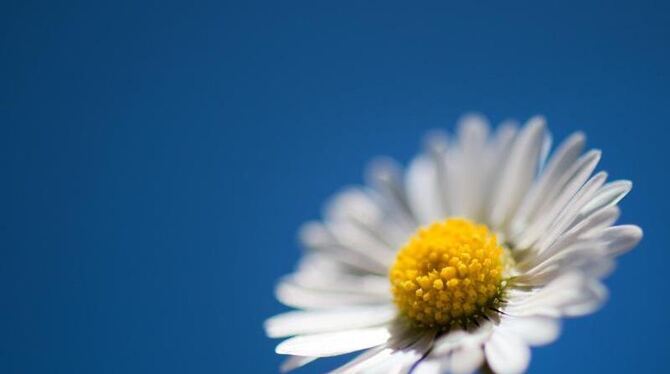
466 259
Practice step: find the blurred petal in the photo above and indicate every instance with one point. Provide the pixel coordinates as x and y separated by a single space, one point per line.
569 294
469 168
466 359
620 239
291 294
423 190
294 362
507 353
532 330
588 305
316 237
429 366
309 322
334 343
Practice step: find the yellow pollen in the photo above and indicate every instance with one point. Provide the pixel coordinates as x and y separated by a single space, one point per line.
449 272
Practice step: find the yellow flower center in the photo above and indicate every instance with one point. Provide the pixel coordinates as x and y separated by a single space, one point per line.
449 273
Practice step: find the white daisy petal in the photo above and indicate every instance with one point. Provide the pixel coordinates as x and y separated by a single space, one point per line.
438 149
584 230
567 187
620 239
502 141
498 153
564 295
570 212
430 366
423 190
353 203
599 269
608 195
449 341
310 322
402 360
584 260
588 225
507 354
458 337
401 339
473 131
545 188
598 296
468 182
290 294
294 362
544 153
365 360
384 176
366 211
466 359
533 331
592 255
316 237
334 343
354 237
321 272
519 171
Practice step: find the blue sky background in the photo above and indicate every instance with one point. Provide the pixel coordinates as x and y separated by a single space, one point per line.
157 158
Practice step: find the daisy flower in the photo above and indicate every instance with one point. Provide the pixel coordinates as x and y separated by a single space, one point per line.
461 262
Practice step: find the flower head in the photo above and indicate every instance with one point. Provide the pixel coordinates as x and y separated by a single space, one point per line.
466 259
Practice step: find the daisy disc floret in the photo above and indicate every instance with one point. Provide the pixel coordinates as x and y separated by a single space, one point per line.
450 272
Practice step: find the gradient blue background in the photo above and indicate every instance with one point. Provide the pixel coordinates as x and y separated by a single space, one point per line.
157 159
